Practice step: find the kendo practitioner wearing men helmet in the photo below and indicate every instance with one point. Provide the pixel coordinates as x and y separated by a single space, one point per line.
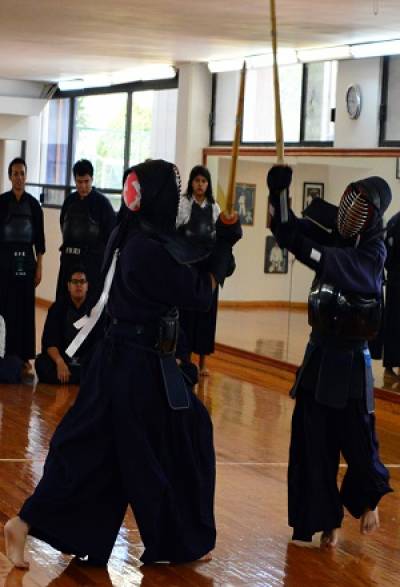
334 407
136 434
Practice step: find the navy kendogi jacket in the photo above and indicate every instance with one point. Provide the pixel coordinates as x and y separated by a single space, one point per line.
336 368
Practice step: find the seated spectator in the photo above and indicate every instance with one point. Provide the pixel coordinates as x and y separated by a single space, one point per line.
10 366
53 365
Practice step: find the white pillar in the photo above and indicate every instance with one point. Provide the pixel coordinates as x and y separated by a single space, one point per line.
194 107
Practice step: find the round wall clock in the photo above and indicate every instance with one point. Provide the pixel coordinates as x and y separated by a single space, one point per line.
353 101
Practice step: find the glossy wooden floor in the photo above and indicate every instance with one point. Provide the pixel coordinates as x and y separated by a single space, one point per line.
254 548
251 424
279 334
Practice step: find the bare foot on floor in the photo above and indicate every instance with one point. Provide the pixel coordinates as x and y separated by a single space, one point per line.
15 533
329 539
369 521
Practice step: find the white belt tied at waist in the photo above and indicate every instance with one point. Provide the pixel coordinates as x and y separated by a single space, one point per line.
86 324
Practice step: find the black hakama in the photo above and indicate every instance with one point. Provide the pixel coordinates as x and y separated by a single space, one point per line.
200 327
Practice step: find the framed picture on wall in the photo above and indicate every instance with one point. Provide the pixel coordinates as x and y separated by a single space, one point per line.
275 258
311 191
244 203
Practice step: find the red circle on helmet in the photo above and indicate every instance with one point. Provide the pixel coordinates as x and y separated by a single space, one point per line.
132 193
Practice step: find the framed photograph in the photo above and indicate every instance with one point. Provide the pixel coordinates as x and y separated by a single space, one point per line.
311 191
275 259
245 198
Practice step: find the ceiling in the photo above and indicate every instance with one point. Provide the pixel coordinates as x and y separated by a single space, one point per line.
55 39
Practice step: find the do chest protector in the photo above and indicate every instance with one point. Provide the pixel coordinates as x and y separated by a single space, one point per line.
18 227
343 316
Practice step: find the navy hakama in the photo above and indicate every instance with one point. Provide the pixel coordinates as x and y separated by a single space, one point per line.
121 444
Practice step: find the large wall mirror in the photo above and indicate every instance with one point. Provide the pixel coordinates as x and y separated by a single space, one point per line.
263 306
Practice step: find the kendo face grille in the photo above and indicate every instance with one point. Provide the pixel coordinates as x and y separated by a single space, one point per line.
353 213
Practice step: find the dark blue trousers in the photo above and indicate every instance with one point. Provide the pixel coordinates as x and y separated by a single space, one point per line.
320 434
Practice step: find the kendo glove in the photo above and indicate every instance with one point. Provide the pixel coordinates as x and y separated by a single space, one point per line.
279 179
221 261
231 233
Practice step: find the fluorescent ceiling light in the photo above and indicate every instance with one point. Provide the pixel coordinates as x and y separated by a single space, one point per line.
143 73
285 57
67 85
225 65
375 49
324 54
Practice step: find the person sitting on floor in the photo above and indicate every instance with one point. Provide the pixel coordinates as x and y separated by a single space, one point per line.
53 365
10 365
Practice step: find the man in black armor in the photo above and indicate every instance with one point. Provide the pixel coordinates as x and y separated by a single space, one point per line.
53 365
87 219
334 385
22 245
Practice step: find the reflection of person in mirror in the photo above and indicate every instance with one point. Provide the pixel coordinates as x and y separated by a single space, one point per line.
334 389
276 259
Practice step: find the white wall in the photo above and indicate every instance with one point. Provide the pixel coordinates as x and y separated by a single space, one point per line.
51 259
364 131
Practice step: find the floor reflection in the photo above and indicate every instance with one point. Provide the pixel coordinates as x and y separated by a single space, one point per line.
279 334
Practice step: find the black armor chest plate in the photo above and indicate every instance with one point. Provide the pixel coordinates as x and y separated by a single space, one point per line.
18 226
201 227
341 315
79 228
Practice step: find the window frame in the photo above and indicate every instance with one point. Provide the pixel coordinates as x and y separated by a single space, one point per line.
301 143
72 95
383 142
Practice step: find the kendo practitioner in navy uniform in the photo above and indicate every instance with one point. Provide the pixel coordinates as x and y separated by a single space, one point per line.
198 213
52 364
87 220
391 328
22 246
334 386
135 435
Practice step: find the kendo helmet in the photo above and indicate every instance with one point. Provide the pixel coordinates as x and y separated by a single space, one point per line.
152 190
362 202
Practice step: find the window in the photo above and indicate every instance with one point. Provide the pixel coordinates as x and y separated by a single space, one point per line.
153 127
98 127
100 136
391 84
319 100
259 108
226 96
54 151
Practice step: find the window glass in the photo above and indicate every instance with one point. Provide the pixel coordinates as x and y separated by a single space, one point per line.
259 108
100 136
54 148
320 96
392 127
153 127
226 96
